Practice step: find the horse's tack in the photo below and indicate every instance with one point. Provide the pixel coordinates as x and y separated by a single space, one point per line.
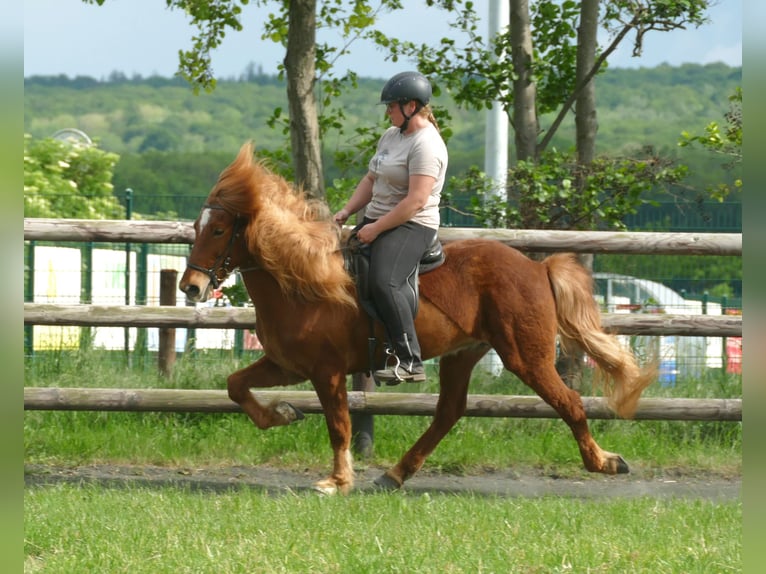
220 270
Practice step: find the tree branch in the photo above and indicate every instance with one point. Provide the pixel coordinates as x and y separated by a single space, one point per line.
589 76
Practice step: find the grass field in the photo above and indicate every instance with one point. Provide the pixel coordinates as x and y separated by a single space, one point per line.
93 528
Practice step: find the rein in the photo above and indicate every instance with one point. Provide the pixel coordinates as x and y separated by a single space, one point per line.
219 271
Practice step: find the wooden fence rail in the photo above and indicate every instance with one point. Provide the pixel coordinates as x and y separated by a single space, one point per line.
244 318
376 403
655 243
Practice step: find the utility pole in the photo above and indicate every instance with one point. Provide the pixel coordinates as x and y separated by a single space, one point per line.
496 137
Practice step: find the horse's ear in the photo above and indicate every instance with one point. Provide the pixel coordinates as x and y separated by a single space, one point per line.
246 152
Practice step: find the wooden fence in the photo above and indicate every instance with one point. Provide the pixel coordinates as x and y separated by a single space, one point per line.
361 402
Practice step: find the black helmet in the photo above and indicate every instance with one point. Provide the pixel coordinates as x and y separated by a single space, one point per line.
406 86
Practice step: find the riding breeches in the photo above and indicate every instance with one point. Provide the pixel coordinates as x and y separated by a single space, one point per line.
394 258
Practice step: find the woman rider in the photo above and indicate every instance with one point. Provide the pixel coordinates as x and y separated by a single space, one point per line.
401 192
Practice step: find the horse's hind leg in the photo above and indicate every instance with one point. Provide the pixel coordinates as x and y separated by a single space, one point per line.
546 382
454 377
263 373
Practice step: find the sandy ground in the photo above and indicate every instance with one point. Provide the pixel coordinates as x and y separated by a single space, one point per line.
528 483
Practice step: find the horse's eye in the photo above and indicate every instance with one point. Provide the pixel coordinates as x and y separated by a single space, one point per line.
218 232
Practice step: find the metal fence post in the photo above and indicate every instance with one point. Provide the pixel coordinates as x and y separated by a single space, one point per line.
29 296
724 340
128 249
86 291
141 347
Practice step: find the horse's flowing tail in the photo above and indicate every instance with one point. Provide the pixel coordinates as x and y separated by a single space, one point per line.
579 320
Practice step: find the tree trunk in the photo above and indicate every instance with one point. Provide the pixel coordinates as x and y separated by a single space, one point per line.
569 364
524 118
525 123
586 123
304 122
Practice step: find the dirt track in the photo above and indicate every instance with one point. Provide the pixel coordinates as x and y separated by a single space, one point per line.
527 483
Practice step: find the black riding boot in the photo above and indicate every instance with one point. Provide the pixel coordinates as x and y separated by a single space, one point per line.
403 363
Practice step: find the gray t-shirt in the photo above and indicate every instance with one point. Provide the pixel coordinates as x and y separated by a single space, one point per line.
397 157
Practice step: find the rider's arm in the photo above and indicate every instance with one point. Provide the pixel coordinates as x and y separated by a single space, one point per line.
361 197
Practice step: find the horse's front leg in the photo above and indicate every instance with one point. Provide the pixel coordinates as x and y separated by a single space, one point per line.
263 373
331 391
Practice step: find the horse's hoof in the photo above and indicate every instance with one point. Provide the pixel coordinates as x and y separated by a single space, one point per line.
326 487
622 466
385 482
288 412
331 488
615 464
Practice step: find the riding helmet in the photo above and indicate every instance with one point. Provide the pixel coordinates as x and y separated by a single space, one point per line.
406 86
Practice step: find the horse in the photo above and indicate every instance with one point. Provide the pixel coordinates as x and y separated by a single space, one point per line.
486 295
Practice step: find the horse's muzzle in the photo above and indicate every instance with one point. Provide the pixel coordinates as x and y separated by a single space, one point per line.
196 291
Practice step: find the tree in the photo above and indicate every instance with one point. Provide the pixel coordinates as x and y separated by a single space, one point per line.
726 143
294 26
586 123
548 75
213 19
63 179
300 64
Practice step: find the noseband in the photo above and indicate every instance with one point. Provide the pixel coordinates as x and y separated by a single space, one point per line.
220 270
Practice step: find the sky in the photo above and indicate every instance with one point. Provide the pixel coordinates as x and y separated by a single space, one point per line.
143 37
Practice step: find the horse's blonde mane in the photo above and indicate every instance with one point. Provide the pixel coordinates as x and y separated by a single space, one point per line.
294 237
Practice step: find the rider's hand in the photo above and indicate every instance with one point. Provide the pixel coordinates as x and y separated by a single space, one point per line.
368 233
341 217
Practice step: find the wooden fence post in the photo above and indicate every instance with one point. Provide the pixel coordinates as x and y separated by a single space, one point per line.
167 347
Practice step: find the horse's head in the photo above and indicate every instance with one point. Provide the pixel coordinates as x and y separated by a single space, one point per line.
217 251
219 244
254 218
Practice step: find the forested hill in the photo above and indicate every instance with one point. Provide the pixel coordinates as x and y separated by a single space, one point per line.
141 117
643 106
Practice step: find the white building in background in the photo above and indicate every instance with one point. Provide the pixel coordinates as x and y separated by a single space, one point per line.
58 280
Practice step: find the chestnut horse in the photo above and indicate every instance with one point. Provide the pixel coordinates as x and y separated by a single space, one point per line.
486 295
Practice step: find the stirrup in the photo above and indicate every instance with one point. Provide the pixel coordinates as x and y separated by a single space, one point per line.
390 353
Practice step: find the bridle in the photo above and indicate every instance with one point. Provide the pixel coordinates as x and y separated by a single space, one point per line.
219 271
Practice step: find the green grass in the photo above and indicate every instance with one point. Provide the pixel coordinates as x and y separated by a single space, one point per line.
473 445
93 529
